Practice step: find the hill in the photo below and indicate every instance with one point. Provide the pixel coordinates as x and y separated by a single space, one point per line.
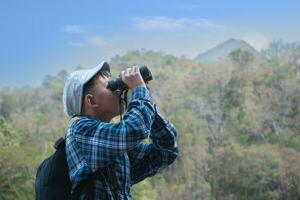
221 51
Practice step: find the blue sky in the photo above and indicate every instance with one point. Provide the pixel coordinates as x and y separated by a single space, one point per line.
43 37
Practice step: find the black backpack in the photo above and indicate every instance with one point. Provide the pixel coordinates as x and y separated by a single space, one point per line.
52 178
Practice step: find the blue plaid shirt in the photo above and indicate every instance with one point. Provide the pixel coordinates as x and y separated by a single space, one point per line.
93 145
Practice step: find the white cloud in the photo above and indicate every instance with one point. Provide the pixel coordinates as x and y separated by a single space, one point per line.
95 40
88 41
258 41
74 29
177 36
85 36
166 23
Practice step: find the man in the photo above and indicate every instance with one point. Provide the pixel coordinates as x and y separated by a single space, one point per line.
115 150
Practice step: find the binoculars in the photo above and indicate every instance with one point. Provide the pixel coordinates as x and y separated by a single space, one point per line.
117 83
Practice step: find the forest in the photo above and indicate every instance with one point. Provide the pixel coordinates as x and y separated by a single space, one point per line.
237 120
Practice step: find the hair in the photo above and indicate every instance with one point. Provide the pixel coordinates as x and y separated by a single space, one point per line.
91 83
89 86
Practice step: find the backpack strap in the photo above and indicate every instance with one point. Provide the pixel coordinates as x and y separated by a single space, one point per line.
75 194
59 142
114 181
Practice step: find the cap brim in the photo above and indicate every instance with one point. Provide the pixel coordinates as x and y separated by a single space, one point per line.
104 66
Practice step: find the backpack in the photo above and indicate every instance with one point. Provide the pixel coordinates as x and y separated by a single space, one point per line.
52 178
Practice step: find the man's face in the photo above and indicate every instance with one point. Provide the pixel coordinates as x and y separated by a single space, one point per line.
107 102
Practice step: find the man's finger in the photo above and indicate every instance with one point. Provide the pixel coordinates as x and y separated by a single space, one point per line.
128 70
135 68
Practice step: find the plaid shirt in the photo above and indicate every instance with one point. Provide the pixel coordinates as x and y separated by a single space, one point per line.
93 145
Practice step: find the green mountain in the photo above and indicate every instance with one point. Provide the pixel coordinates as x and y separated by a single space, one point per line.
221 51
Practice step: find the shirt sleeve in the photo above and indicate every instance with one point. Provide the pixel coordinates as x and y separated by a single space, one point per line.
101 142
147 159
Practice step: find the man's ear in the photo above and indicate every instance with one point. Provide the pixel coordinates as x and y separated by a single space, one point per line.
89 99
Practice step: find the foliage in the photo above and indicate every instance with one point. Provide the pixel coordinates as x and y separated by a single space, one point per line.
144 191
241 57
16 174
238 125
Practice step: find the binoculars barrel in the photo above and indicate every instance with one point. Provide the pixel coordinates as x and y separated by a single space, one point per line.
117 83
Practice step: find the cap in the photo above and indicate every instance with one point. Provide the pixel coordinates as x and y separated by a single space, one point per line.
73 89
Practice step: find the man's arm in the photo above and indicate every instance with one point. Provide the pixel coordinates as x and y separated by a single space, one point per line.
102 142
147 159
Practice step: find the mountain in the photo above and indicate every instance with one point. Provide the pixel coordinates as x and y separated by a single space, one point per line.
222 50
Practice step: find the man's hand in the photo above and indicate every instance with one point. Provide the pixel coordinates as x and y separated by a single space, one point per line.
132 77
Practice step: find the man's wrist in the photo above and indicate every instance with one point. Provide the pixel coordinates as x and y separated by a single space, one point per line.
140 92
141 85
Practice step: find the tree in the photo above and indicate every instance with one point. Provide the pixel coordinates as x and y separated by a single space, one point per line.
241 57
284 53
15 176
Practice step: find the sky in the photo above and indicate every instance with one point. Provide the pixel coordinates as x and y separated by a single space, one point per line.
38 38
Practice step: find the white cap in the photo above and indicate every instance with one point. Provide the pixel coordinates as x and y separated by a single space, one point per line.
73 89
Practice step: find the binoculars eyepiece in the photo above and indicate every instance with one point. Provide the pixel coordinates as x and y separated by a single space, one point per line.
118 84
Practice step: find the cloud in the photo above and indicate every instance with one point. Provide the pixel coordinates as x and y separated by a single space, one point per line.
166 23
85 36
89 41
95 40
74 29
177 36
258 41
